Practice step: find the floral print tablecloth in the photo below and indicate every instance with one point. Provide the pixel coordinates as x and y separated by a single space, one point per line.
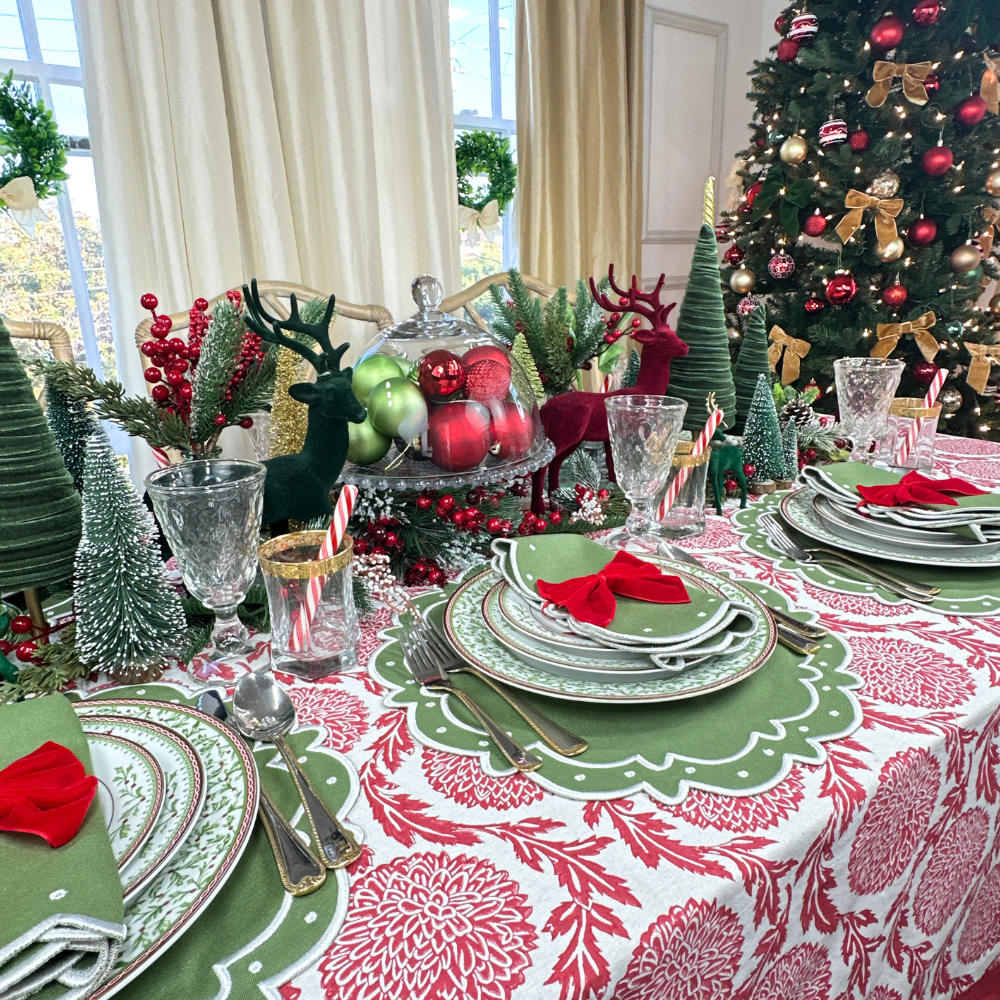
874 875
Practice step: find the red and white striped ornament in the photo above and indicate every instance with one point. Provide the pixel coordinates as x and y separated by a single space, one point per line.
684 472
918 422
833 132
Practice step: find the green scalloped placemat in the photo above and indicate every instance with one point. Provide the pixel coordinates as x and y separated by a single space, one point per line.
964 590
738 741
253 934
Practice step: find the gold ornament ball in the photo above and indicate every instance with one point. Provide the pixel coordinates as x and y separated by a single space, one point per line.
995 304
893 250
885 185
965 258
950 400
993 183
794 150
742 280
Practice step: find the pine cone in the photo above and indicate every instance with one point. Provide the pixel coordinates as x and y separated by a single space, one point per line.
799 411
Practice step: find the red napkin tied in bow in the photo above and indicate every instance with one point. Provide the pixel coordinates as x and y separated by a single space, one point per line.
47 793
592 598
915 488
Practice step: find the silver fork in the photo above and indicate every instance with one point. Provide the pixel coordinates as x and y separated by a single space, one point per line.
423 665
561 740
783 542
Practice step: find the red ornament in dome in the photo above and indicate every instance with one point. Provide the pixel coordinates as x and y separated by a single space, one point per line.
924 372
888 33
487 380
734 255
513 430
932 82
926 13
841 288
813 306
971 111
458 435
859 140
486 352
440 374
781 265
815 225
895 295
937 161
788 49
922 232
751 196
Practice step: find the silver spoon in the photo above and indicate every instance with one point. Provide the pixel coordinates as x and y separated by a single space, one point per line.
263 711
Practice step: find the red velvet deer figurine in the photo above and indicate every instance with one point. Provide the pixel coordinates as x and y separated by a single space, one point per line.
574 417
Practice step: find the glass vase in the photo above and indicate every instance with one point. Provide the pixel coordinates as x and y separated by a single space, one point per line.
909 417
686 515
865 388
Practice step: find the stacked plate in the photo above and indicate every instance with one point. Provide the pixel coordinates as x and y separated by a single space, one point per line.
938 535
179 795
647 652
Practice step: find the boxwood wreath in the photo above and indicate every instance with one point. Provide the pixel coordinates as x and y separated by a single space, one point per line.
480 152
29 140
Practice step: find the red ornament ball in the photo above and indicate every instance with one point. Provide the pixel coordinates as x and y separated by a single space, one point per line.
201 304
20 625
747 305
219 420
26 650
494 525
751 196
859 140
781 265
922 232
513 430
937 161
447 502
926 13
734 255
152 374
160 392
149 301
149 348
841 289
487 380
749 469
5 646
440 374
888 33
246 423
780 24
458 435
424 502
788 49
815 224
185 391
158 332
895 296
804 27
486 352
971 111
924 372
175 378
813 306
540 524
932 82
722 233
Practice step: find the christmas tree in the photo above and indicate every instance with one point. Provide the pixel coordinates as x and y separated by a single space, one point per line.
71 423
39 509
752 361
702 326
790 448
762 447
631 373
872 186
128 618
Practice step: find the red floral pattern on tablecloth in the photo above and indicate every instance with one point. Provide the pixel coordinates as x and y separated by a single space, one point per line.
343 714
981 468
981 932
895 821
854 604
692 952
431 926
371 639
741 814
462 780
801 974
883 993
947 445
906 673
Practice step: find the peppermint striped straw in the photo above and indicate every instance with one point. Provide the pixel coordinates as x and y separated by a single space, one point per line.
161 457
918 422
684 472
334 535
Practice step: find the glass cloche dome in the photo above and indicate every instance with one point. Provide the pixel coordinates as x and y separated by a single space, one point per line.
448 405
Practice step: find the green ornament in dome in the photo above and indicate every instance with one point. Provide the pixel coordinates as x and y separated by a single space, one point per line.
397 407
752 361
366 444
370 373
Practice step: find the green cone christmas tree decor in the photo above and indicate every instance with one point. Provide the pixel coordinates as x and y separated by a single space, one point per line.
71 423
39 509
128 618
631 373
762 436
752 361
790 448
702 326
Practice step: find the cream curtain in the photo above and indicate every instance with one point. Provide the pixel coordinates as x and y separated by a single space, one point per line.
302 140
579 137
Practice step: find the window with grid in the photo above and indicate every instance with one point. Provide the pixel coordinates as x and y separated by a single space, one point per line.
59 274
482 79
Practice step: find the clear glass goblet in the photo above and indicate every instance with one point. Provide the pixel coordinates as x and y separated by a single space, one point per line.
643 432
865 390
210 514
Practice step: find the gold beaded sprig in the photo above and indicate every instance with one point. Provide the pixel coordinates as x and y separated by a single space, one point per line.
289 417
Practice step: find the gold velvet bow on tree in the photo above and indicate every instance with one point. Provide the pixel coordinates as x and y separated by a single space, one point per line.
885 209
913 75
989 89
889 334
793 350
984 357
986 238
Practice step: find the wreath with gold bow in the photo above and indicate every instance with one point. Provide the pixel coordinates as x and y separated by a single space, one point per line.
34 153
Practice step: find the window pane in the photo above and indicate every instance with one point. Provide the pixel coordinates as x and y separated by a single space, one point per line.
508 108
470 57
11 39
70 109
57 32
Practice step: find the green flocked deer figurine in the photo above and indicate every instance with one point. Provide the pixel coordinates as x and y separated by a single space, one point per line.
299 485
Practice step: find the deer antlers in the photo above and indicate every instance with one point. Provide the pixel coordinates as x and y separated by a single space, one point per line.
645 304
269 328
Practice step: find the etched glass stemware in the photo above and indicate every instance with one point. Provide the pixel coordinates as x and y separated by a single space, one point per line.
210 513
865 390
643 432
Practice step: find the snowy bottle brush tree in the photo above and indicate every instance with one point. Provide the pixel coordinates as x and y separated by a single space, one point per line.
129 620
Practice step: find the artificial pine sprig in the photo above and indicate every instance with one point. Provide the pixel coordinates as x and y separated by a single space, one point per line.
30 140
589 327
52 667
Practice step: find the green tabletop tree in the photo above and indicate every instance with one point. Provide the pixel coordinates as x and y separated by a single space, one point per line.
39 509
752 361
71 423
762 435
